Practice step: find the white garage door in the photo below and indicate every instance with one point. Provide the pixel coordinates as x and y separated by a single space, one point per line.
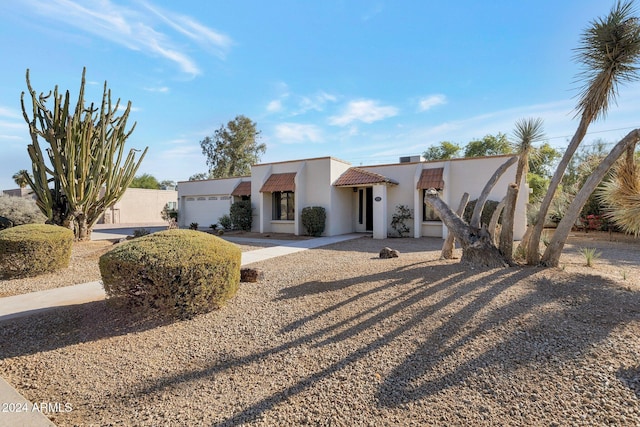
205 210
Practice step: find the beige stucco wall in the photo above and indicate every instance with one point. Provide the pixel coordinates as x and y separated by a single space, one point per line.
139 206
313 188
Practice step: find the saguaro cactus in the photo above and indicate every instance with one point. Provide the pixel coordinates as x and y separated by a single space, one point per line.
87 169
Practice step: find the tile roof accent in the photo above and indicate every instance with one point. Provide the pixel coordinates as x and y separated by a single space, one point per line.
279 182
358 176
431 178
242 189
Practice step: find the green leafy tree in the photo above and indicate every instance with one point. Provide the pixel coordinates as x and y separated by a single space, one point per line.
145 181
233 148
443 151
20 178
85 168
490 145
199 176
168 184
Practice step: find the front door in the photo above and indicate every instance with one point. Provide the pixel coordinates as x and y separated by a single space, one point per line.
369 209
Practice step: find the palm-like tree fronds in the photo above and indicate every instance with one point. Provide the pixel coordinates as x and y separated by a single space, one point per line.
622 196
527 132
609 50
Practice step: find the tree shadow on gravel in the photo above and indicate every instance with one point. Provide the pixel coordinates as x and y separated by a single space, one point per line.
409 290
588 308
64 326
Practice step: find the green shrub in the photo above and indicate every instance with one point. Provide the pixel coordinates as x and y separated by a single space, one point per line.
176 272
225 222
487 212
193 226
313 220
33 249
241 215
20 210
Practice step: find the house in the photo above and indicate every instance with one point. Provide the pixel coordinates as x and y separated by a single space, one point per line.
356 199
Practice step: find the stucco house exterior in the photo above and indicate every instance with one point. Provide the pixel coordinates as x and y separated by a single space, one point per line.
356 199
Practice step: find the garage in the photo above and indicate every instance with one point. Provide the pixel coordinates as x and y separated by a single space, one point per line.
205 210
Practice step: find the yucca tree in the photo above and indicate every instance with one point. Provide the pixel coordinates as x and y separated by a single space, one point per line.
85 168
609 51
20 178
621 195
527 132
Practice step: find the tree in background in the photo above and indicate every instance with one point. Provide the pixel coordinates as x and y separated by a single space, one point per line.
145 181
199 176
233 149
490 145
608 52
168 184
85 168
20 178
443 151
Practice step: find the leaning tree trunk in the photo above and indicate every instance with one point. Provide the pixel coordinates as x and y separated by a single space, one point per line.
506 233
449 243
493 223
533 247
477 247
551 257
477 210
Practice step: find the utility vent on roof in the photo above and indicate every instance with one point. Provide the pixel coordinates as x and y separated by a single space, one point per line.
411 159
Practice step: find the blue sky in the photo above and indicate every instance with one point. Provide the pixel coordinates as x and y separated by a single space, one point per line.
363 81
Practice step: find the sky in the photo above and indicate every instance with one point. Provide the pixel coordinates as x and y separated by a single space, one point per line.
363 81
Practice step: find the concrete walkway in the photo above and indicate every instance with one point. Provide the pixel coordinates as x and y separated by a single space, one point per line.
27 304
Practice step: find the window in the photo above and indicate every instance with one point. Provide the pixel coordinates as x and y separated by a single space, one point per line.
172 205
428 214
283 205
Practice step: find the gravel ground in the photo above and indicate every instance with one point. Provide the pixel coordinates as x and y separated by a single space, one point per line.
337 336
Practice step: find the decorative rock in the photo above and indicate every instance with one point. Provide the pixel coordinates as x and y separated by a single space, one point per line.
5 223
251 275
389 253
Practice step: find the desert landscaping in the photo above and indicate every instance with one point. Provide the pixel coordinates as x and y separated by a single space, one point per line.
338 336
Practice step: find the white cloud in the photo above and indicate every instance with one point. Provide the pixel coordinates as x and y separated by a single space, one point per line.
364 110
161 89
134 28
9 113
296 132
274 106
431 101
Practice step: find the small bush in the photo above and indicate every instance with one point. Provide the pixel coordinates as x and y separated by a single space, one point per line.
225 222
241 215
176 272
193 226
590 255
33 249
139 232
213 227
20 210
313 220
170 216
402 214
487 212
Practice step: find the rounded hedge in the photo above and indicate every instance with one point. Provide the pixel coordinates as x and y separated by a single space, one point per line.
178 272
33 249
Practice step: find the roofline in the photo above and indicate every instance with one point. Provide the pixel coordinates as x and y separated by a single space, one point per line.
219 179
304 160
440 161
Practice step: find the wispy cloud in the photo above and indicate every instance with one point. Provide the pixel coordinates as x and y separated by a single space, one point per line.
295 133
295 105
274 106
431 101
133 28
9 113
364 110
161 89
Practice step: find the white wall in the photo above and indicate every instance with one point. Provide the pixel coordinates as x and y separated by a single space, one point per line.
205 201
139 206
